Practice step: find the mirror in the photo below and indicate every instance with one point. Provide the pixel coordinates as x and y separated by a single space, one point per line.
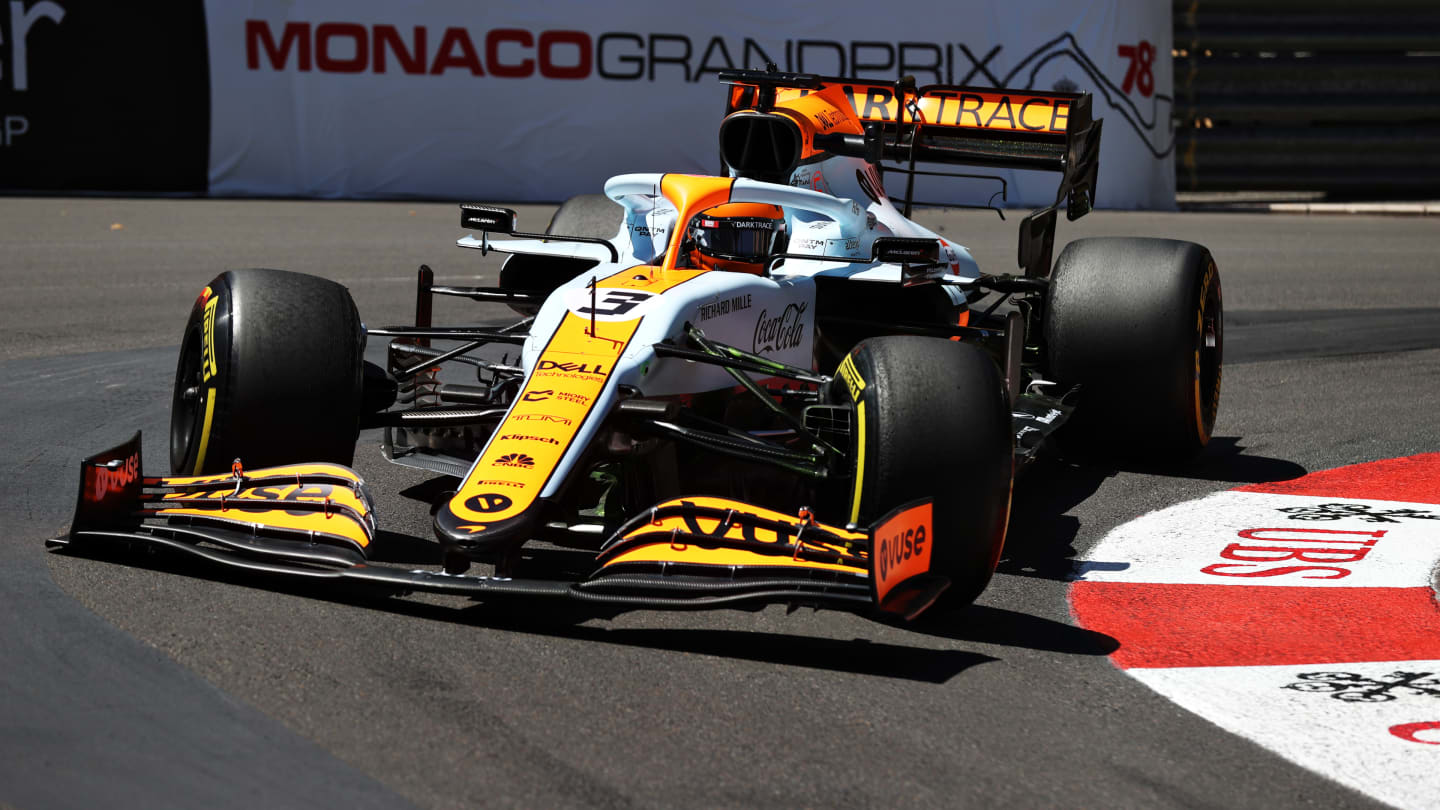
903 250
488 218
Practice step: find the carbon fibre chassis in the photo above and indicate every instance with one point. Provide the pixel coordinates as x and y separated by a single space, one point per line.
315 521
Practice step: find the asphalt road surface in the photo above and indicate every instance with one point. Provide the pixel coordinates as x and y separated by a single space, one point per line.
160 684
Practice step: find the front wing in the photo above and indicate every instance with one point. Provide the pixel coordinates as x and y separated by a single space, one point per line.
316 521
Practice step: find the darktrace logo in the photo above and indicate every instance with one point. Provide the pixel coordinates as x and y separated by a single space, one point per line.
514 460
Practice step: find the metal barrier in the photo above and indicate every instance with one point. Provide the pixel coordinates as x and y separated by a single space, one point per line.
1308 95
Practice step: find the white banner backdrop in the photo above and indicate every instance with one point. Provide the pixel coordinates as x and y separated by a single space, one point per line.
529 101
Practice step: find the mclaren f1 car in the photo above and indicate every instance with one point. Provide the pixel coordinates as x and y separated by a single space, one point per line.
766 386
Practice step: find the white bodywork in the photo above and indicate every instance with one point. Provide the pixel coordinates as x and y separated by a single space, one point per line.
771 316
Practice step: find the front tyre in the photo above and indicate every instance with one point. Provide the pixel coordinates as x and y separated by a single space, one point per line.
932 420
269 372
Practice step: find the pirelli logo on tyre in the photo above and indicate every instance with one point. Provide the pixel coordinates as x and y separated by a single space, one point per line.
208 364
851 375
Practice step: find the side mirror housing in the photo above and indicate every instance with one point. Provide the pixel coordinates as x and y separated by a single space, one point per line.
488 218
903 250
919 259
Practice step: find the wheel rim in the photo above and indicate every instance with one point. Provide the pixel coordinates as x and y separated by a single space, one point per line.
1209 352
186 404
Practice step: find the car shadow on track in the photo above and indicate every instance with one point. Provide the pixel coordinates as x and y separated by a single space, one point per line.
992 625
1225 459
1040 541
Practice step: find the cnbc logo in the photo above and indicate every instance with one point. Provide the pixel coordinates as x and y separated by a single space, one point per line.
514 460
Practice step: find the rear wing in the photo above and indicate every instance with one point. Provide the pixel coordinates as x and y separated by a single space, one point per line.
955 125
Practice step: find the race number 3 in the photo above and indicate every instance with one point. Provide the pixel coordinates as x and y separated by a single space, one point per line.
1139 75
609 304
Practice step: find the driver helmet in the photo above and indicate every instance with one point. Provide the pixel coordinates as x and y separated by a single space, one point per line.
738 237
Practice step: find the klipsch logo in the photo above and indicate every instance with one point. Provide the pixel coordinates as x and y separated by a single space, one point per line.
17 71
525 437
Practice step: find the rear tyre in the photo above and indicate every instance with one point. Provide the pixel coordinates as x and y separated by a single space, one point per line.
593 215
269 372
584 215
932 420
1138 325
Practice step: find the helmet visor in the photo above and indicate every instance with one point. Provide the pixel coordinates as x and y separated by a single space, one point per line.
743 239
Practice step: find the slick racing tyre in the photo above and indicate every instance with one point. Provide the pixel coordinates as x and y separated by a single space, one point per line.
931 419
269 372
592 215
1138 325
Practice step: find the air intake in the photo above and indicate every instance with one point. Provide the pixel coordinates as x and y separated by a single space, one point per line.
760 146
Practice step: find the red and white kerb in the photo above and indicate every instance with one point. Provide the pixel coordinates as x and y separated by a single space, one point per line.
1300 614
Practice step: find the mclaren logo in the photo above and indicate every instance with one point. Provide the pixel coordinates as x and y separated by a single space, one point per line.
514 460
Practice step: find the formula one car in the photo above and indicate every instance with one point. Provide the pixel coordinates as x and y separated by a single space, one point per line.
769 386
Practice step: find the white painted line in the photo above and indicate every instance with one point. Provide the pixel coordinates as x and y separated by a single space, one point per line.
1385 208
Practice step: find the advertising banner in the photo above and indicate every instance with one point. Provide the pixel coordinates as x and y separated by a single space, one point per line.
103 96
525 101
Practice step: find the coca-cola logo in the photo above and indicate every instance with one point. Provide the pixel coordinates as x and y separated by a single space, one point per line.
783 331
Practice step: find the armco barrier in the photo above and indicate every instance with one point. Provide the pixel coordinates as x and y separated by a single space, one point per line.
1308 95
